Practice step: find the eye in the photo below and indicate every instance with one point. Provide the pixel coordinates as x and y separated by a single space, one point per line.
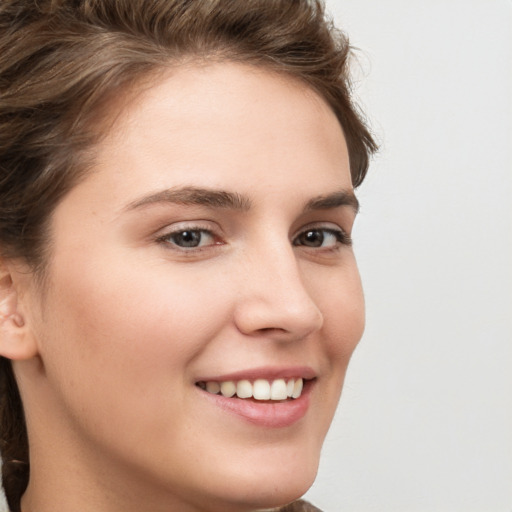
190 238
325 238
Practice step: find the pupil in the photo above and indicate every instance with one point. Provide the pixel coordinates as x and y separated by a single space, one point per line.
188 239
313 238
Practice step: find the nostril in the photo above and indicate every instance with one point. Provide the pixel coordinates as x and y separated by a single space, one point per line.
271 330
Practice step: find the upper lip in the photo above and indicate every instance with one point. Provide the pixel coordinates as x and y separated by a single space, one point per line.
268 373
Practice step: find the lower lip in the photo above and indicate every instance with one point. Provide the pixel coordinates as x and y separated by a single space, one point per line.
265 413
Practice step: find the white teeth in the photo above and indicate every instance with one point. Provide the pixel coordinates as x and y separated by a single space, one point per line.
278 390
260 389
244 389
228 388
297 388
289 387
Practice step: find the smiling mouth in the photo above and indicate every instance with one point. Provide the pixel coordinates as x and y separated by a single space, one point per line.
259 389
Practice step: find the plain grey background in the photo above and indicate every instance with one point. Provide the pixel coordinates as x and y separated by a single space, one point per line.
425 421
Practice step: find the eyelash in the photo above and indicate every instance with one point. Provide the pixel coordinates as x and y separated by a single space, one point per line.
167 238
340 238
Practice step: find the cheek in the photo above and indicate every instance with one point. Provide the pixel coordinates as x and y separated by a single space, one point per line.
126 329
339 296
119 348
146 313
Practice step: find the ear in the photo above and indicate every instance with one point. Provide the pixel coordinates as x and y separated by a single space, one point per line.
16 340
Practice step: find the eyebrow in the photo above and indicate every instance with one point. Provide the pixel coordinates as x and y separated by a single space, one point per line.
195 196
233 201
334 200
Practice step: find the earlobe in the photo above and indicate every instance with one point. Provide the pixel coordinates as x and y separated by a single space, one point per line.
16 340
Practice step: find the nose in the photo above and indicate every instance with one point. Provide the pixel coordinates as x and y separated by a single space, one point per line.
273 299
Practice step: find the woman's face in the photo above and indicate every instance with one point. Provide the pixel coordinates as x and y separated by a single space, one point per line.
209 247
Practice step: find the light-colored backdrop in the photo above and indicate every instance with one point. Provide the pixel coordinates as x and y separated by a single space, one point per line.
425 422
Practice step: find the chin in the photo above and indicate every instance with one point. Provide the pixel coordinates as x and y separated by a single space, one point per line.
274 495
269 496
267 488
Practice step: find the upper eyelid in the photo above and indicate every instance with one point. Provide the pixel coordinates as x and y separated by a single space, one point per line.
190 225
169 232
327 226
214 229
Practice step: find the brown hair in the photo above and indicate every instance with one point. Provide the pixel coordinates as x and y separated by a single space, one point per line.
60 61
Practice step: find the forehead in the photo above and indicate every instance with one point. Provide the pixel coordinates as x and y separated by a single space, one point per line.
226 105
221 126
215 88
229 112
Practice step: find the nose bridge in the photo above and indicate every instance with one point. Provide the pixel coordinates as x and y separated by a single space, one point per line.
274 296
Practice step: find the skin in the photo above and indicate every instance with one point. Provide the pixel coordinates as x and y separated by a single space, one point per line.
130 321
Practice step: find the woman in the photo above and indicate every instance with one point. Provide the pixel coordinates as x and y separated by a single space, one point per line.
179 296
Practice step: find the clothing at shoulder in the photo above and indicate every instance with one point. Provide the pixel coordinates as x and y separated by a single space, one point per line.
299 506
